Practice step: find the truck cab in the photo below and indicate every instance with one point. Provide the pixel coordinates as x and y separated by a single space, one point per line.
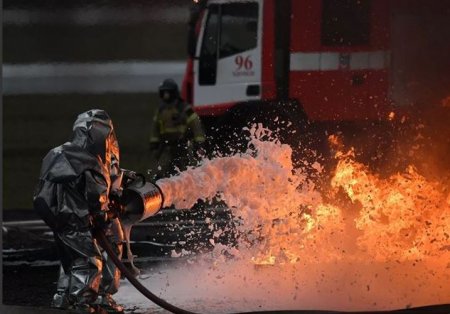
353 61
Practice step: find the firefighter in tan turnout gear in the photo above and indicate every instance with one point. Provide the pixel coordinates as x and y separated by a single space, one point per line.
177 131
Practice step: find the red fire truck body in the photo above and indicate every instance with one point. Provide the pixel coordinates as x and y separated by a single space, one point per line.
340 60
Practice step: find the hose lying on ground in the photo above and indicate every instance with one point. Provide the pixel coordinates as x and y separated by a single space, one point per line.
100 236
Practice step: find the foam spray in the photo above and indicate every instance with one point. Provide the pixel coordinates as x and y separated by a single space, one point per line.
365 243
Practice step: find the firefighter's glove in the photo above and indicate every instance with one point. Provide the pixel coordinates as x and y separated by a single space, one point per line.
129 174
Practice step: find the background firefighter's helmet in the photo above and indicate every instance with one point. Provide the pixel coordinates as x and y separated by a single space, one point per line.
169 87
94 131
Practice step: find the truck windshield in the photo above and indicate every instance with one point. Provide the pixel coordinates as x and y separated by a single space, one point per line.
238 31
208 54
230 29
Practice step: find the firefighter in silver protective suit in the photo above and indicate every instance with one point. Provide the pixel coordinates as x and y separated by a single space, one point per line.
77 181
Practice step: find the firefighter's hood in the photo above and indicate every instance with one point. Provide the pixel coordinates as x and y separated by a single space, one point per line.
93 146
66 162
93 130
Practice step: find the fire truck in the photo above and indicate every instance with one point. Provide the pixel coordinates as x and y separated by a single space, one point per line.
317 62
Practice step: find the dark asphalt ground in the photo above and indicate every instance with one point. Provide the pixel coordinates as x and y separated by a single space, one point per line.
33 286
30 264
29 286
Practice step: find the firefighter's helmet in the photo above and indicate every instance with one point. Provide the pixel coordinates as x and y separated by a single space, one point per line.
94 130
168 91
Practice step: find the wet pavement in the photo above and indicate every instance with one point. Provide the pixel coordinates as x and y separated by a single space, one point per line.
30 268
30 260
26 285
29 288
14 309
29 275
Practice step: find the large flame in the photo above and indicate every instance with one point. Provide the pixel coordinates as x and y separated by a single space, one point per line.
362 224
403 217
284 218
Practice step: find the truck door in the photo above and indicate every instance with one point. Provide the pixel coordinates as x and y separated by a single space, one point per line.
227 68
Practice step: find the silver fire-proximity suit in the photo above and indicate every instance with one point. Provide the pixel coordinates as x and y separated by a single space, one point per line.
76 182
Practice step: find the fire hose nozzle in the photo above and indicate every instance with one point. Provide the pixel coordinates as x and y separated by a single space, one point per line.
140 201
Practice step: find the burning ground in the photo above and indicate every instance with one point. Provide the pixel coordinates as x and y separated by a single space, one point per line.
364 242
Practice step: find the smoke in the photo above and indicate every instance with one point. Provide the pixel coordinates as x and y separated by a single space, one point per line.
365 243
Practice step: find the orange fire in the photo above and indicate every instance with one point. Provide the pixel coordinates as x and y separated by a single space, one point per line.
391 115
362 240
403 217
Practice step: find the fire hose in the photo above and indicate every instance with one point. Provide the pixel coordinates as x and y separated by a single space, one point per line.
139 202
100 236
